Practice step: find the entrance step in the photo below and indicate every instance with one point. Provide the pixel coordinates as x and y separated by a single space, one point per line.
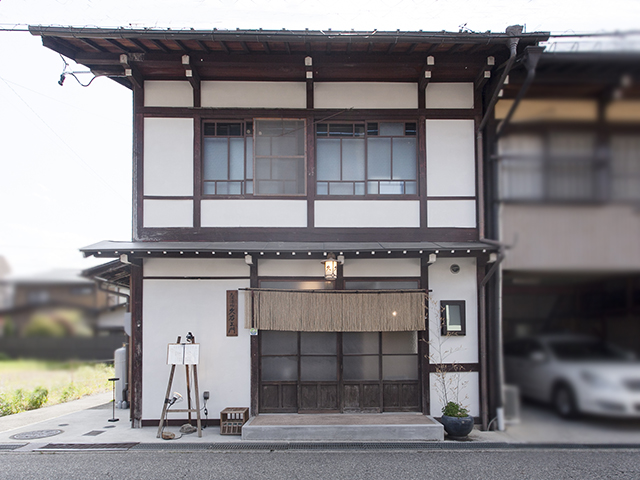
380 427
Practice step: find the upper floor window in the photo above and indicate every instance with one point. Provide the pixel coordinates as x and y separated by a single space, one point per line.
367 158
227 158
276 166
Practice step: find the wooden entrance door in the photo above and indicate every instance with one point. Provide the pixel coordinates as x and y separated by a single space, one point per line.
338 372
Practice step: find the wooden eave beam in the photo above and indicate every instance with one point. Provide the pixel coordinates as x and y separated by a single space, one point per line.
131 71
265 45
203 46
117 45
60 46
191 72
391 48
412 48
245 47
224 47
94 45
182 46
160 45
287 46
139 44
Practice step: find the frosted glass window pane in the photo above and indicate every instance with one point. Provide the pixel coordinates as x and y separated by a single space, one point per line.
235 188
215 159
410 188
249 187
249 156
399 342
236 157
328 159
359 188
357 285
404 158
279 369
209 188
278 343
454 318
396 129
222 188
263 168
318 342
323 188
318 369
400 367
361 368
353 159
379 158
338 188
391 188
372 188
360 342
268 187
263 146
284 168
284 146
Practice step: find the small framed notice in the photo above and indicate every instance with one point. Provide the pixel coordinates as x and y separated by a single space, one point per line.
232 313
183 354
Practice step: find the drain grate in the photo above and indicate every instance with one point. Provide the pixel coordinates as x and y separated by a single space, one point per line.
93 433
11 446
88 446
35 434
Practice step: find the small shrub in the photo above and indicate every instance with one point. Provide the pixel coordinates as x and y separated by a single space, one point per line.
37 398
453 409
70 392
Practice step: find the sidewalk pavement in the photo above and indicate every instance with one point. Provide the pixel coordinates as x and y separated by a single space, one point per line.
86 422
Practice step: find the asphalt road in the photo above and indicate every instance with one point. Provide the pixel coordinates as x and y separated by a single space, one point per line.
351 465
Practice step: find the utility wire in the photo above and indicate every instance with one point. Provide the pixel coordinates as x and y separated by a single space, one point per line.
64 142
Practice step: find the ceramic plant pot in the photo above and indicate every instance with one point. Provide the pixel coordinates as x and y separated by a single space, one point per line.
457 427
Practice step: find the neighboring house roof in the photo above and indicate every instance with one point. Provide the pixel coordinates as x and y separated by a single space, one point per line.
114 272
52 277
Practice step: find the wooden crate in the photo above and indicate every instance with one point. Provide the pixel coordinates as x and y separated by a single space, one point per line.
232 419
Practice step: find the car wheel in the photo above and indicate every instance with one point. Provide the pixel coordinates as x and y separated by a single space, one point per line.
564 401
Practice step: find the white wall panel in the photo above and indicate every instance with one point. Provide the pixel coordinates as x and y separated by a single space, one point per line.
367 213
468 393
451 213
254 213
451 158
167 213
449 95
161 93
381 267
365 95
174 307
196 267
446 285
254 94
168 156
290 268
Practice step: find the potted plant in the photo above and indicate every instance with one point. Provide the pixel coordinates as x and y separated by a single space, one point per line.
448 381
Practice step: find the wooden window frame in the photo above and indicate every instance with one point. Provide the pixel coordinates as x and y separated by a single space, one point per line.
444 330
365 136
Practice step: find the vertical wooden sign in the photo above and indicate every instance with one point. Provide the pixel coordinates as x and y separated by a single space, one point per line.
232 313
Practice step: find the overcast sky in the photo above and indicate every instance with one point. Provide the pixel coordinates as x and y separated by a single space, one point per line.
65 152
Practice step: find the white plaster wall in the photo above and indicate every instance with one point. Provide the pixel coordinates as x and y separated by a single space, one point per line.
445 285
196 267
468 392
168 156
365 95
367 213
451 169
163 93
167 213
254 213
381 267
449 95
254 94
451 213
171 308
290 268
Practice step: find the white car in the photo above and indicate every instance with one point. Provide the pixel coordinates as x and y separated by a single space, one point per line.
575 374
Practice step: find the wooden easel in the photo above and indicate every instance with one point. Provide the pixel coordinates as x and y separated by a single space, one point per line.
189 410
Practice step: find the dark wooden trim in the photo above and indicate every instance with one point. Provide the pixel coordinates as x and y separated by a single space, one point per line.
167 197
463 318
138 162
197 172
423 343
422 169
310 151
468 197
309 234
482 344
135 384
458 367
255 349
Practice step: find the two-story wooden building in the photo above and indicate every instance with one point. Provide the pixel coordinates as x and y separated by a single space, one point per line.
259 155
